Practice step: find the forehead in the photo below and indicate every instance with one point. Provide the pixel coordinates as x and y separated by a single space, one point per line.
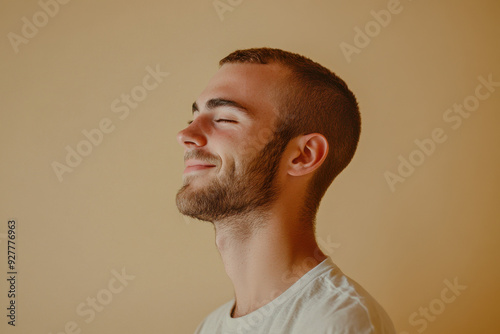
254 86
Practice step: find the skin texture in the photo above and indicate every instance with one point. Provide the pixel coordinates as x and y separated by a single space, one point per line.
252 187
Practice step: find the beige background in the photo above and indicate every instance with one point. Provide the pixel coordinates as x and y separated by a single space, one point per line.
116 209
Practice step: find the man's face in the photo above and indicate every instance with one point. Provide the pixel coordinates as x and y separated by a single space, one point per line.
230 154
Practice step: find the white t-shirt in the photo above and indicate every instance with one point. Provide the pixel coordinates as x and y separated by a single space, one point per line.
323 301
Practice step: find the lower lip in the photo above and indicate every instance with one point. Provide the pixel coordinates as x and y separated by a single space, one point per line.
195 168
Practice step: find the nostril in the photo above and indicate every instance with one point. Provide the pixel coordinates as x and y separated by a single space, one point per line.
191 137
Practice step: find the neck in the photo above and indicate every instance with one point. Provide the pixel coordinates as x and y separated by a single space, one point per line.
266 258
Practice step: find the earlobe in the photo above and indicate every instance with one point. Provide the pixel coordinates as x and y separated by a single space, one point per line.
309 153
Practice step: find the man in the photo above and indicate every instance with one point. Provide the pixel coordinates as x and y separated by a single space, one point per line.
269 134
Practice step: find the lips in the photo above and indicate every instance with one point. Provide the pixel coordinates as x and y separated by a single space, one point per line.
196 165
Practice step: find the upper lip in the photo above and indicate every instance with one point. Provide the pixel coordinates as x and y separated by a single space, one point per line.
195 162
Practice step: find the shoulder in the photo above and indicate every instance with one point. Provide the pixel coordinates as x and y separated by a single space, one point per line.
338 304
215 319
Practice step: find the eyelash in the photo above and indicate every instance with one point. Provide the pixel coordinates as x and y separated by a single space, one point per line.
218 121
225 120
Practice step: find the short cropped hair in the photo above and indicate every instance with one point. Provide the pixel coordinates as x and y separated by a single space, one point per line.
316 100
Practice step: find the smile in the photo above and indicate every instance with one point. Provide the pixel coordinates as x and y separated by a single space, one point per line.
196 168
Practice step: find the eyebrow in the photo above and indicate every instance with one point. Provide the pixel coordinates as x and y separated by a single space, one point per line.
219 102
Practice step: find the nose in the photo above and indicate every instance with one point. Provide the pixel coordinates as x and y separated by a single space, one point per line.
192 136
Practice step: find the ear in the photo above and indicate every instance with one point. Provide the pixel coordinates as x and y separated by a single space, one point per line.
308 153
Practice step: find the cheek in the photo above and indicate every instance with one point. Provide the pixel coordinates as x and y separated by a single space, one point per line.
250 145
233 162
232 146
238 148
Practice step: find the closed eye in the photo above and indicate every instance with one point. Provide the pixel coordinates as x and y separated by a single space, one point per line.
225 121
218 120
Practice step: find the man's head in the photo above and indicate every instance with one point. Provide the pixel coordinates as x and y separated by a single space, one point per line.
270 97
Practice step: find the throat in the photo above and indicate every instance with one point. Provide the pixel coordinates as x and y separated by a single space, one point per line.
264 265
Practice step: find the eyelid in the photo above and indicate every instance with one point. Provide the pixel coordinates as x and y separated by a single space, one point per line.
225 120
